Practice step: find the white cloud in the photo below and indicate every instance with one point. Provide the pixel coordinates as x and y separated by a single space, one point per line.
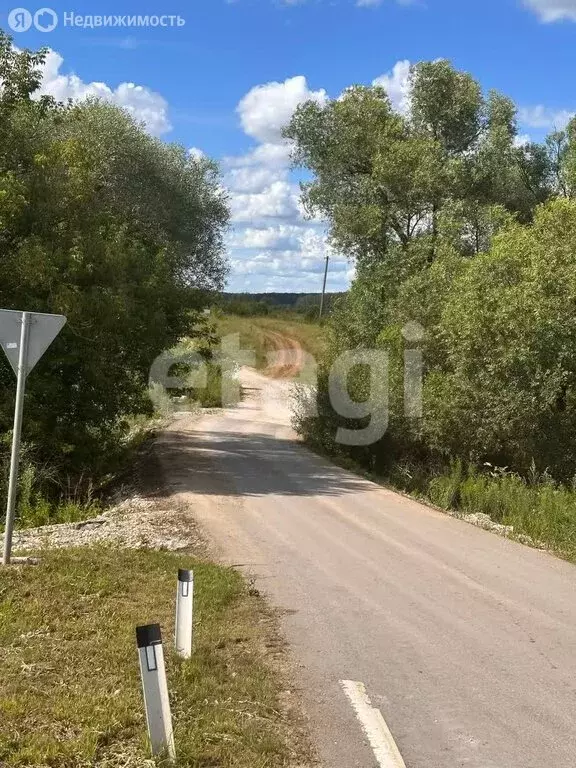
299 267
544 117
522 140
252 178
270 155
280 238
277 201
196 153
553 10
396 83
144 105
358 3
266 109
272 246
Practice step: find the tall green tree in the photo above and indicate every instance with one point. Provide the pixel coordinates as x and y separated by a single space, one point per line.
458 225
382 178
117 230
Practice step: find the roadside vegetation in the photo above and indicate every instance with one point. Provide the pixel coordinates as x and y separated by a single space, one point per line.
461 226
70 690
198 369
305 306
121 233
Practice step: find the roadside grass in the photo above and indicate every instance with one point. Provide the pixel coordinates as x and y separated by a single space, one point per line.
44 498
253 330
540 509
197 391
70 692
541 512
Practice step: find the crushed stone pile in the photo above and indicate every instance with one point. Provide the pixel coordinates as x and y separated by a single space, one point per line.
135 523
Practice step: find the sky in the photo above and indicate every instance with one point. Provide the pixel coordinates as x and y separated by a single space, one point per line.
225 82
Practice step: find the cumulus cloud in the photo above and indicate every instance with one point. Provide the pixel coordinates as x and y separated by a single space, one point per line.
288 258
266 109
273 247
544 117
275 238
396 83
279 200
144 105
269 155
553 10
522 140
196 153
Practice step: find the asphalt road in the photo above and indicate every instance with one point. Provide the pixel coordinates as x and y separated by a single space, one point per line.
465 641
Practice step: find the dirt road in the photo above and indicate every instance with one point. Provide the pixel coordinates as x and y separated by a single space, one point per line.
286 353
466 642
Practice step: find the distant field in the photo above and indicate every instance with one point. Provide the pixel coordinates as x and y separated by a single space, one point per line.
253 332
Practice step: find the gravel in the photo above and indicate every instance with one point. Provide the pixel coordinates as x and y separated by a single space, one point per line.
136 523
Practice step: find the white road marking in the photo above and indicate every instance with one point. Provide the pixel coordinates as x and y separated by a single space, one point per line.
373 725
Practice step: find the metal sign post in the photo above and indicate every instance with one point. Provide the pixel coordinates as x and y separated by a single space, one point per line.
24 337
15 458
321 313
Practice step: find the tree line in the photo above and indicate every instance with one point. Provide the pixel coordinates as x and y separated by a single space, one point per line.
118 231
455 223
262 304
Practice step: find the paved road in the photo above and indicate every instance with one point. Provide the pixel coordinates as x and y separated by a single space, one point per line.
465 641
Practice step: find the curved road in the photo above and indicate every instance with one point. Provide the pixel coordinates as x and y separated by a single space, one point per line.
466 642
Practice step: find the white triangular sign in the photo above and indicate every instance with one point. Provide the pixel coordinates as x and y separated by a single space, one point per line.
43 330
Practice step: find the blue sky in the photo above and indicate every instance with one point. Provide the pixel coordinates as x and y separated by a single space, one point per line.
226 81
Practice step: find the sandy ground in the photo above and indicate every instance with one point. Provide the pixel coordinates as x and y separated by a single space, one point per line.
465 641
288 354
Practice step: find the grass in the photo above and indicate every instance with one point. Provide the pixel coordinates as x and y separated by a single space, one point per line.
70 692
541 512
253 330
538 508
198 391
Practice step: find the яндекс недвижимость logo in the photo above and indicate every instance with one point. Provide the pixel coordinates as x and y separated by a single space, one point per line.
46 20
21 20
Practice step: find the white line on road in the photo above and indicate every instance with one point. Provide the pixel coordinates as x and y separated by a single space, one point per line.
374 726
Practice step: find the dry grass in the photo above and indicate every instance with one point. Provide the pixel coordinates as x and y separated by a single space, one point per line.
70 691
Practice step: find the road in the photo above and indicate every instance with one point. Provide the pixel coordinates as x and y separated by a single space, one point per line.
465 641
287 358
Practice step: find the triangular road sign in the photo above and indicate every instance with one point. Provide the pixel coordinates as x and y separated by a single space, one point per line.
42 332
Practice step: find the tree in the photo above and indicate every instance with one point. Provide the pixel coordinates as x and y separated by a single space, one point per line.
118 231
381 178
458 226
507 393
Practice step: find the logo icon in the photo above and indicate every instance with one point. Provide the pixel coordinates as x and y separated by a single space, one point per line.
20 20
45 20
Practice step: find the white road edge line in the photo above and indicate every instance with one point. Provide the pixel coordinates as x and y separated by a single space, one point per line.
373 725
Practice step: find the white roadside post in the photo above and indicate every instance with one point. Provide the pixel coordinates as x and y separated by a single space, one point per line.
155 689
24 337
184 614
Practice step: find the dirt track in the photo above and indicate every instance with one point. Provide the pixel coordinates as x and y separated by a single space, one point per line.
287 353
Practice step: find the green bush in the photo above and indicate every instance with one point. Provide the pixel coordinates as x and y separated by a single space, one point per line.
118 231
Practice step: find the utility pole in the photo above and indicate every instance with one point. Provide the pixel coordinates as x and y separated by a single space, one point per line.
324 287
